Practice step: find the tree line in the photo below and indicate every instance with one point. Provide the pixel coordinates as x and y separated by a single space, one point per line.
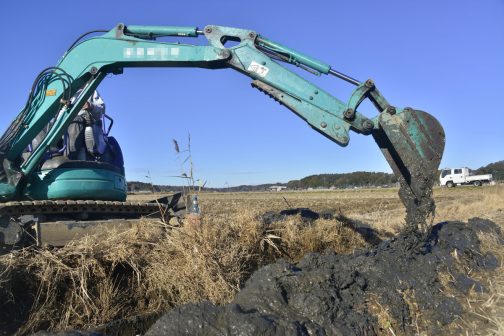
343 180
496 169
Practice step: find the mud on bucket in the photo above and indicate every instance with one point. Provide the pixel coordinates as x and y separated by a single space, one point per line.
413 142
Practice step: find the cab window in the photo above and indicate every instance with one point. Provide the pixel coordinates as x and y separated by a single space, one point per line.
457 171
445 172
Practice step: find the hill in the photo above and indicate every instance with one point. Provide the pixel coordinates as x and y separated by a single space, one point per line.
346 180
136 186
496 169
340 181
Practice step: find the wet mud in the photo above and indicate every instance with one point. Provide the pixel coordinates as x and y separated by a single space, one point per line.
397 283
420 205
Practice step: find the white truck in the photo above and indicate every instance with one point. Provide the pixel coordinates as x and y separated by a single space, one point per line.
460 176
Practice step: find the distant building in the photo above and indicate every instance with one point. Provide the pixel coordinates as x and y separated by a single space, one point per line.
276 188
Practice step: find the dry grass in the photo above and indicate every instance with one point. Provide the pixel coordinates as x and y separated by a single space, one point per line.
154 267
113 276
384 319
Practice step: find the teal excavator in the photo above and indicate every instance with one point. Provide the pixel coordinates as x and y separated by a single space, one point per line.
53 184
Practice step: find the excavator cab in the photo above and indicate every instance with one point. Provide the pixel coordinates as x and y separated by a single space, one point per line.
86 163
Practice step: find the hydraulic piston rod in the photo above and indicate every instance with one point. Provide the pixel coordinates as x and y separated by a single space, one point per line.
158 31
295 57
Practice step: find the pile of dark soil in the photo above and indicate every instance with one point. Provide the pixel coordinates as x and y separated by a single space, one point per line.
409 284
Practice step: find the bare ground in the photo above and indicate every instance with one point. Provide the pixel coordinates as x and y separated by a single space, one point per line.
143 273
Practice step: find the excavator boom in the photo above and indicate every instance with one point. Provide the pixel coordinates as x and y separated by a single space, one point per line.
412 141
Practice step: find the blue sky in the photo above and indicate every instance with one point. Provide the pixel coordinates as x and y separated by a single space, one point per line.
443 57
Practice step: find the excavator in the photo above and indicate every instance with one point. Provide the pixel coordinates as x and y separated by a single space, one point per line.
54 184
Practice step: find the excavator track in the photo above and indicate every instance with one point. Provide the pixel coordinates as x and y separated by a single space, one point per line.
69 206
56 222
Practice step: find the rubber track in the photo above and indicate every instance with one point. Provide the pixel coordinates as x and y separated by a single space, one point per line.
70 206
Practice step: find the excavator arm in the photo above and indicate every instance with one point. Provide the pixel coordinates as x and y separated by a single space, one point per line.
412 141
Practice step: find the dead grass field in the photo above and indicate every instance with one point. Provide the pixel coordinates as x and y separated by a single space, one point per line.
155 267
382 210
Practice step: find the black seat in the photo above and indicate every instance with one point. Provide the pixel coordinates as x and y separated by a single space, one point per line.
64 162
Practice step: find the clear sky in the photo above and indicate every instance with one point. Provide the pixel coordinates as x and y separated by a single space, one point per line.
443 57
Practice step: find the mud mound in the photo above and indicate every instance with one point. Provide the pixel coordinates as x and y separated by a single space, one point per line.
306 215
399 284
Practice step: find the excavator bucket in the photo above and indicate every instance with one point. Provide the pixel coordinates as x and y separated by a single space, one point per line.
413 144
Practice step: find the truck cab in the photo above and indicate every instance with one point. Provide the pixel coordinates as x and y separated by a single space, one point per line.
450 177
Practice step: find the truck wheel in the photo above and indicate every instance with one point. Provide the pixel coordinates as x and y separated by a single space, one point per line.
477 183
450 184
